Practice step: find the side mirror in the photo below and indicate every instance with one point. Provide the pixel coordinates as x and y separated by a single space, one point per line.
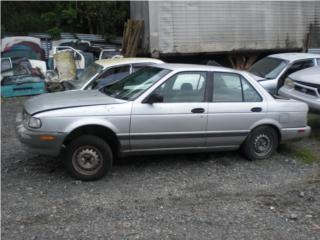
153 98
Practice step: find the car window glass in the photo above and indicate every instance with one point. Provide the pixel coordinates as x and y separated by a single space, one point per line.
300 65
135 84
111 75
268 67
318 61
138 66
227 87
184 87
115 70
249 93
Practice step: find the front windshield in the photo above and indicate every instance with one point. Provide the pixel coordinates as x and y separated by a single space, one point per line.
268 68
135 84
87 74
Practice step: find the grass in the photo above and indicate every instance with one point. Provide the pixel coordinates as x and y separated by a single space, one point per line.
306 155
302 153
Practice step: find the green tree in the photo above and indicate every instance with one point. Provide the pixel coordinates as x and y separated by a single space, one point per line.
105 18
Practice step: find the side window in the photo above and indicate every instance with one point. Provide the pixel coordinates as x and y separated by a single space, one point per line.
249 93
300 65
184 87
227 87
230 87
318 61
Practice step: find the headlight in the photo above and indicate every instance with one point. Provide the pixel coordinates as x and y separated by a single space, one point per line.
289 83
34 122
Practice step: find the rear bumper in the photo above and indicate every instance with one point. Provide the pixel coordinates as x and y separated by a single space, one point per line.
32 140
294 133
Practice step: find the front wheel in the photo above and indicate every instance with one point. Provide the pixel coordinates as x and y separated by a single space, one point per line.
88 158
261 143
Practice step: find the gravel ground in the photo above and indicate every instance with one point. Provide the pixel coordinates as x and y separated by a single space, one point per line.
194 196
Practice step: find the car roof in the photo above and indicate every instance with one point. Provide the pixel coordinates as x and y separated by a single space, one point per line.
116 61
294 56
194 67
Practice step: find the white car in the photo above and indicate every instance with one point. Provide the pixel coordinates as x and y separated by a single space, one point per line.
107 71
303 86
272 70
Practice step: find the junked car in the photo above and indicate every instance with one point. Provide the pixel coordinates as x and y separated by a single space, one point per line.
106 71
272 70
303 85
165 108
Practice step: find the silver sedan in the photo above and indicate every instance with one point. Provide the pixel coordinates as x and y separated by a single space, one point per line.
167 108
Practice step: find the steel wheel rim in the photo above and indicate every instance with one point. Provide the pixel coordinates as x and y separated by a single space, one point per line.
262 145
87 160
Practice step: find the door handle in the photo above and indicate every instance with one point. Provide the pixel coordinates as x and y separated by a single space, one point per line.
256 109
197 110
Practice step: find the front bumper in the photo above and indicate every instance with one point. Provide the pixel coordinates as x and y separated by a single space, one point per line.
313 102
32 140
294 133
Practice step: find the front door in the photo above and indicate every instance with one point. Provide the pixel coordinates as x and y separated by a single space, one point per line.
178 121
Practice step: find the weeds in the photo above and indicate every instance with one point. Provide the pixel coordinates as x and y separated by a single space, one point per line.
302 153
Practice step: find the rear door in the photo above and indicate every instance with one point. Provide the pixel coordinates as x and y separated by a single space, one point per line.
234 107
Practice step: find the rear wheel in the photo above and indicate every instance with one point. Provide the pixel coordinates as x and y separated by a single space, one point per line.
88 158
261 143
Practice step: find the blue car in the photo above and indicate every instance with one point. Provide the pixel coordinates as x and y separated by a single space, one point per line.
22 85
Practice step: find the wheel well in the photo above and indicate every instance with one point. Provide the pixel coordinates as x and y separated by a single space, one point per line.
100 131
272 126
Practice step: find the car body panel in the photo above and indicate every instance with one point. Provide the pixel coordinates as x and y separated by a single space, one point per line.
22 85
59 100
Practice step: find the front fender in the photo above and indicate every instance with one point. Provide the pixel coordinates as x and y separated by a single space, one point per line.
91 121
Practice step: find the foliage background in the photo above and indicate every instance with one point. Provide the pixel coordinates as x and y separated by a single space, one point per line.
106 18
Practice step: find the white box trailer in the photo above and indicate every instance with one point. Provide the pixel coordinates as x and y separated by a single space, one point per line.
191 27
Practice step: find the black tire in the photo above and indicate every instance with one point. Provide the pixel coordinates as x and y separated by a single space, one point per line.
261 143
86 151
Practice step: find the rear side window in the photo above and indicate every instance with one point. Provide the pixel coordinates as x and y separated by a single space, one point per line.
230 87
300 65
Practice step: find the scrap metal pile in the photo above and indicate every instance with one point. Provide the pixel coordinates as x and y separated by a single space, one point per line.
36 64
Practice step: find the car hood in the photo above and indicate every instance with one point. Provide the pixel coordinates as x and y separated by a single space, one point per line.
308 75
59 100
